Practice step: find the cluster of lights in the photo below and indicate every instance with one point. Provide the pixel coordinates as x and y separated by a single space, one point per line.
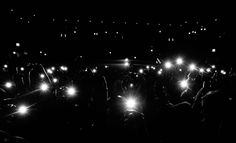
63 68
126 62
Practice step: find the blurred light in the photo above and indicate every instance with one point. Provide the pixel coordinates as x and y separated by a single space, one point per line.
141 71
71 91
22 110
49 71
192 67
179 61
213 66
201 70
55 80
22 68
208 70
159 72
126 60
147 67
131 85
213 50
130 104
17 44
168 64
223 72
8 84
153 67
53 68
106 66
5 66
42 76
126 64
94 70
184 84
64 68
14 52
44 87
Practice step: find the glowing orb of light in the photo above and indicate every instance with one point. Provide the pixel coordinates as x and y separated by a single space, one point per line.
5 66
213 66
55 80
130 104
126 64
168 65
49 71
213 50
22 110
8 84
131 85
192 67
179 61
201 70
184 84
94 70
22 68
42 76
44 87
71 91
223 72
141 71
208 70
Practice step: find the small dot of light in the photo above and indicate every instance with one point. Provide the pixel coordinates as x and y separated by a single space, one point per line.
53 68
168 65
106 32
45 54
213 66
159 71
141 71
44 87
223 72
5 66
151 50
192 67
130 104
110 53
179 61
40 52
71 91
135 57
8 84
213 50
131 85
106 66
49 71
126 64
201 70
94 70
126 60
184 84
208 70
17 44
14 52
42 76
22 68
148 67
63 68
180 70
22 110
153 67
55 80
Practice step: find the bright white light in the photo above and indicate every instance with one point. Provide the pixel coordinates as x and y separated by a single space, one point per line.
5 66
8 84
179 61
192 67
130 104
106 66
17 44
64 68
22 110
44 87
223 72
213 50
159 71
131 85
168 64
49 71
148 67
71 91
126 64
94 70
42 76
126 60
55 80
184 84
208 70
141 71
14 52
201 70
213 66
22 68
53 68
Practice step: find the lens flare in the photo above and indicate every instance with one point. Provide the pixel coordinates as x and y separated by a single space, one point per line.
22 110
44 87
168 65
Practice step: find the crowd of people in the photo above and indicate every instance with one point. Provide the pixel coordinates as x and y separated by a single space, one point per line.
164 113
